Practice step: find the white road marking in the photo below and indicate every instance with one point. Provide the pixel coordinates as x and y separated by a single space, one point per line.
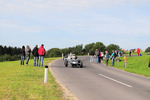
115 80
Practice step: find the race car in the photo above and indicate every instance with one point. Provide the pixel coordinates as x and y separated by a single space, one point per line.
73 61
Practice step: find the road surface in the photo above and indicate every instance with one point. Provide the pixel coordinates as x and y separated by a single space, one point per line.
100 82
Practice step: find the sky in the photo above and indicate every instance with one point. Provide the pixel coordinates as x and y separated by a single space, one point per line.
67 23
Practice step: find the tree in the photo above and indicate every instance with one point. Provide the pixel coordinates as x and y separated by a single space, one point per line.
75 50
78 49
1 50
148 49
112 47
94 46
9 53
10 50
54 52
4 50
100 46
89 47
65 51
83 51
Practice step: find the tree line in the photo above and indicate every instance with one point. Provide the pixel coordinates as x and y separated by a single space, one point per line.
9 53
13 53
80 50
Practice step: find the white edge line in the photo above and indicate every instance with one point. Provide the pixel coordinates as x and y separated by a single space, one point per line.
116 81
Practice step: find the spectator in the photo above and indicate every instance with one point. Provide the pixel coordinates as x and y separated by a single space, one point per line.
92 56
96 55
116 53
125 61
100 56
138 52
36 55
107 57
27 51
113 57
119 53
130 53
22 55
41 53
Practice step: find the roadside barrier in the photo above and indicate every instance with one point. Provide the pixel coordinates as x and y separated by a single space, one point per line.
46 74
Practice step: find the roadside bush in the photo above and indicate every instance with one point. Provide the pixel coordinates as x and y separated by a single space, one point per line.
8 57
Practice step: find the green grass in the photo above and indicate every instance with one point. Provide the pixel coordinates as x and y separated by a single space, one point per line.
27 82
138 65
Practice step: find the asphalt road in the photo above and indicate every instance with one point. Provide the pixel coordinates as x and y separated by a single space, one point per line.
100 82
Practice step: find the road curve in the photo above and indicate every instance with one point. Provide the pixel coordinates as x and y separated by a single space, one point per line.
98 82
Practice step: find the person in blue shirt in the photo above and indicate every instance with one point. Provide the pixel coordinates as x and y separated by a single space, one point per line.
113 57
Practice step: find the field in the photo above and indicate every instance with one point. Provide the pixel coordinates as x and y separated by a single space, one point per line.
138 64
27 82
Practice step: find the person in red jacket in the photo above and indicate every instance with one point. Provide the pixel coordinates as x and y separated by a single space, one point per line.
138 51
41 53
99 57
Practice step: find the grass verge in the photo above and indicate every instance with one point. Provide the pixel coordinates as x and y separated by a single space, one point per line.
27 82
138 65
